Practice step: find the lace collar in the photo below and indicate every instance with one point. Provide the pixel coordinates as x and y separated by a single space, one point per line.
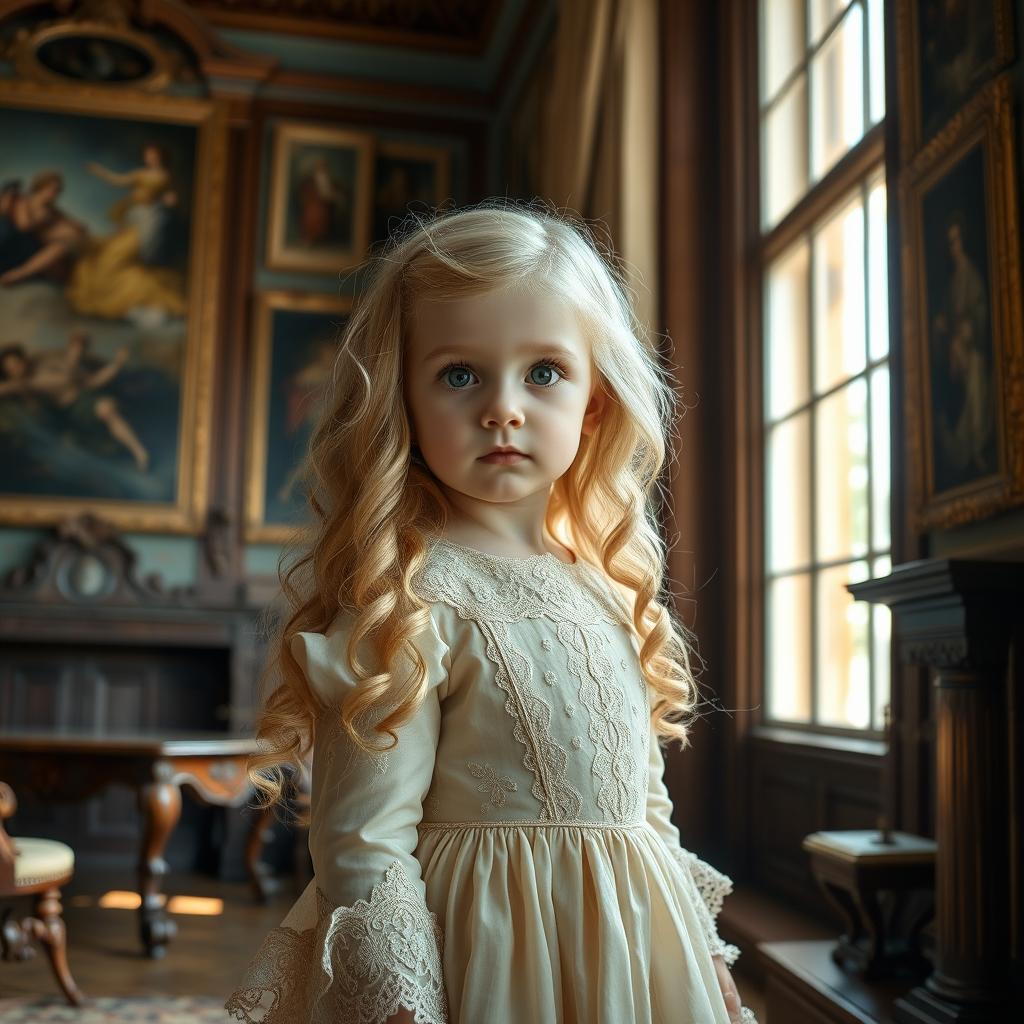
525 561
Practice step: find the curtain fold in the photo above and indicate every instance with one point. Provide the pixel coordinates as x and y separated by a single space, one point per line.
599 127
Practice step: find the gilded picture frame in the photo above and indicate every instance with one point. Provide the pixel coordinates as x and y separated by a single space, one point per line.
319 197
964 348
111 211
943 58
295 339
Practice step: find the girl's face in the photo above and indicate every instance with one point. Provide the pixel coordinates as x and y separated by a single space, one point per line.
502 369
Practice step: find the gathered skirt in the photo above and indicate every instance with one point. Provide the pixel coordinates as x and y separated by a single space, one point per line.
559 924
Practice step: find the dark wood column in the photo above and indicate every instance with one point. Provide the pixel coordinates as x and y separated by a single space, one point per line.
959 618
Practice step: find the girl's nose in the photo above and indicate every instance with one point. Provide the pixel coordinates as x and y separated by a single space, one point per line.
501 412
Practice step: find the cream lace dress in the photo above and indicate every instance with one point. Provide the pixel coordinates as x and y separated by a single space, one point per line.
512 860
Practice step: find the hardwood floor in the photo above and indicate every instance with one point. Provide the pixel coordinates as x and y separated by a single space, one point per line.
206 957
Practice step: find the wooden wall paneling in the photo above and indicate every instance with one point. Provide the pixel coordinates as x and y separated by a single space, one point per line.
690 299
909 765
737 158
221 568
798 789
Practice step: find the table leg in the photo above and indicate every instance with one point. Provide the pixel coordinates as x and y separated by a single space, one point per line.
160 803
258 837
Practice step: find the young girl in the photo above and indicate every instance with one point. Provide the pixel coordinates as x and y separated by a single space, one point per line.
479 659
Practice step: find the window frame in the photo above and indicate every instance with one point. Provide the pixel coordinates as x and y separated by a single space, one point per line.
849 173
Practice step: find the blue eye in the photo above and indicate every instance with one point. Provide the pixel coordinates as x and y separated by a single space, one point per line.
458 377
462 371
544 368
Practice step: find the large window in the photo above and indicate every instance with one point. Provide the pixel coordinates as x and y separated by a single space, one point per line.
822 268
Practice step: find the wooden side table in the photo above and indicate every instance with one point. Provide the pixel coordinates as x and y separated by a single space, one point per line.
853 868
74 765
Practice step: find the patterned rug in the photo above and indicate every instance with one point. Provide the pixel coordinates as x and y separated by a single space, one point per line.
138 1010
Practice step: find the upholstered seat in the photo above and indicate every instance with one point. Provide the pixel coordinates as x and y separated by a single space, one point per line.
41 860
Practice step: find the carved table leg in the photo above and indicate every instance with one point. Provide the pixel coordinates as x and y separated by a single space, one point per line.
259 835
160 802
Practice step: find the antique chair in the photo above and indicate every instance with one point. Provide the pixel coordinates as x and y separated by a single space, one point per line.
39 868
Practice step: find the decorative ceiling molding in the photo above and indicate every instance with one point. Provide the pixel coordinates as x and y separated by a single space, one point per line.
454 26
104 34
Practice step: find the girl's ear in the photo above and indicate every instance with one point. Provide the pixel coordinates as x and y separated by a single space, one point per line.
594 411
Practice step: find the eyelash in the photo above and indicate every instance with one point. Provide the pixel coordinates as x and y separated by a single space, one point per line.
555 364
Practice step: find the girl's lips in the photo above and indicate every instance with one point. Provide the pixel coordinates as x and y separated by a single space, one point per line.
503 457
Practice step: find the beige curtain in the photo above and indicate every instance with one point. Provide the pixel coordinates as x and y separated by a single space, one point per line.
600 130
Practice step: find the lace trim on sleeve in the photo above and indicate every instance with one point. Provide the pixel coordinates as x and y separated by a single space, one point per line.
712 887
358 964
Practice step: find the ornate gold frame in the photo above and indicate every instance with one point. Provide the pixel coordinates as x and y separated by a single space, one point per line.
908 34
267 303
986 120
187 513
25 54
278 255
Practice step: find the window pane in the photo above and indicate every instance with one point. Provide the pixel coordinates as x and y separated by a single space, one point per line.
842 676
782 42
841 469
785 153
881 647
839 341
880 463
878 273
787 339
788 494
823 13
789 649
837 93
876 60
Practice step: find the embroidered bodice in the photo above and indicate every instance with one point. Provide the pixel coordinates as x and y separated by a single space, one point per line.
561 673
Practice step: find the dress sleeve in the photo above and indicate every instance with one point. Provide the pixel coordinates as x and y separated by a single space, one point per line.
708 886
360 943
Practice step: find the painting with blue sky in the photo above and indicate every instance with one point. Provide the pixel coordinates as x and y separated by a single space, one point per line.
95 216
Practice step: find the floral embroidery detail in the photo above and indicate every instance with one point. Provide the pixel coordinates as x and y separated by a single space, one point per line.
622 779
550 678
622 664
546 644
491 782
496 592
576 742
523 588
570 710
358 964
432 805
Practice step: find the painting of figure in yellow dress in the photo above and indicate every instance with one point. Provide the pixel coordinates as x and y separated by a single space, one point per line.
98 324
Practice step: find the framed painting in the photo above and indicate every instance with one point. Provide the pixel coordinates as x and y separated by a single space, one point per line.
111 206
295 342
319 199
946 51
964 350
407 175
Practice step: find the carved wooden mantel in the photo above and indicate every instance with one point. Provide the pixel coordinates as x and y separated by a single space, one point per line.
963 621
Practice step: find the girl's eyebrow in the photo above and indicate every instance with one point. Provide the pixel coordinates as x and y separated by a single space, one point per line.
547 347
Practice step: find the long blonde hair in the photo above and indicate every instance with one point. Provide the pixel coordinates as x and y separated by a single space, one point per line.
374 504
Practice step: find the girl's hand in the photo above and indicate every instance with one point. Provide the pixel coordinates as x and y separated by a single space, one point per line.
729 991
401 1016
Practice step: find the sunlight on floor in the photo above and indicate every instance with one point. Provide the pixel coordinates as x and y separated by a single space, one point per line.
118 899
